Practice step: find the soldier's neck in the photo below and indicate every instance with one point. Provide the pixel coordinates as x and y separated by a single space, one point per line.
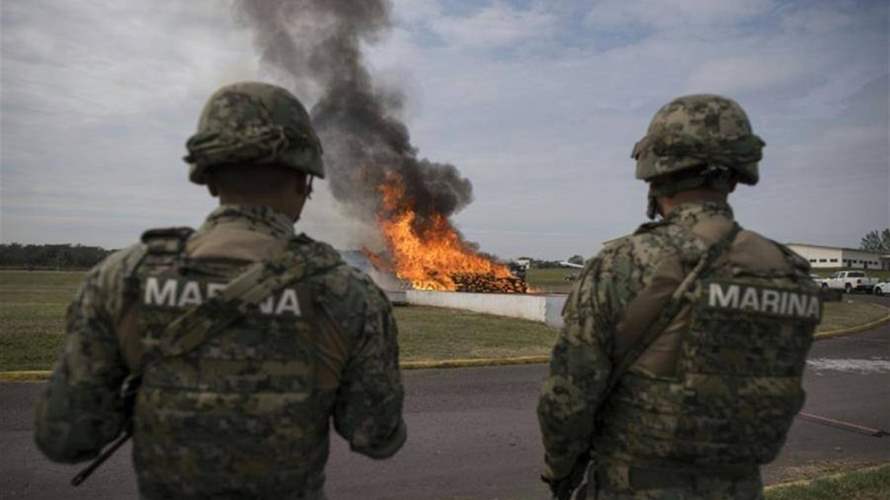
290 206
666 204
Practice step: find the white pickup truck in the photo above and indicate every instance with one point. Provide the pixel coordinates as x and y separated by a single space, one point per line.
849 281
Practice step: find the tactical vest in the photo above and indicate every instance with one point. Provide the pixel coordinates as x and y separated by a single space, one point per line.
722 384
240 416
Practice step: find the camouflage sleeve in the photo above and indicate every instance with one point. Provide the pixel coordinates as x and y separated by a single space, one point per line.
579 370
368 411
81 409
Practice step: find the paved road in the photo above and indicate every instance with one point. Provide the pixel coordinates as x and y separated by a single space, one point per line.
473 433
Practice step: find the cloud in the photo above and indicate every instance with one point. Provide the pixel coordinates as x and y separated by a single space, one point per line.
664 14
94 61
538 103
97 103
829 182
496 25
417 11
744 74
545 137
820 20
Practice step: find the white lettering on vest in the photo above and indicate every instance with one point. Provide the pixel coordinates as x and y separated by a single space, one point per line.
764 300
191 294
770 302
749 300
180 294
267 305
718 298
797 304
813 311
288 302
156 296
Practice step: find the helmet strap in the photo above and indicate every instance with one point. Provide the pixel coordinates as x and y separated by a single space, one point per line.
652 209
714 177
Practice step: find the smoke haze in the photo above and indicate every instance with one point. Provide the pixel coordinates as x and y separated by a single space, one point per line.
315 46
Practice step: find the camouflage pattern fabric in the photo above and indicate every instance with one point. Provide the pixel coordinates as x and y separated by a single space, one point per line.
698 131
717 390
250 124
247 414
614 483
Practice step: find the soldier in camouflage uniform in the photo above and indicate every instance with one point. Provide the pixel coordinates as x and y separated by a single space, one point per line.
713 394
244 411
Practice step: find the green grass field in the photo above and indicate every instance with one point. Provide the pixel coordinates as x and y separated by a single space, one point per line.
840 315
32 316
432 333
551 280
868 484
32 310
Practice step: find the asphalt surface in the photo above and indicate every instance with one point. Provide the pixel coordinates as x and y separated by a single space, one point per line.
473 433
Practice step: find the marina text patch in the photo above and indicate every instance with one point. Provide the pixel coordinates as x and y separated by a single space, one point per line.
187 293
770 301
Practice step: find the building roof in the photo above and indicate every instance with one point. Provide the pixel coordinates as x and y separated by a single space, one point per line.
837 248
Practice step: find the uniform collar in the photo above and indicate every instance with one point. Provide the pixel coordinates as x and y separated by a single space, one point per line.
260 219
689 214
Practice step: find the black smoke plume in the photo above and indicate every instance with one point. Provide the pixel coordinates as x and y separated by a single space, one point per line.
316 46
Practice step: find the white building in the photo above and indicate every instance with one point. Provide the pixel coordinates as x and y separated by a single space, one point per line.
821 256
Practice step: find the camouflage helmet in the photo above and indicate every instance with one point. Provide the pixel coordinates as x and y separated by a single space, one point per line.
699 133
253 123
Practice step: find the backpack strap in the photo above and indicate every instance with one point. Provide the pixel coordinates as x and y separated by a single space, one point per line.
671 310
201 322
165 241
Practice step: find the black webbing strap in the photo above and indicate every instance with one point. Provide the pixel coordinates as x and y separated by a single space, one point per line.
201 322
670 311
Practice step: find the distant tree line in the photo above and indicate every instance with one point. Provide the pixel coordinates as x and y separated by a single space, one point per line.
16 255
877 241
576 259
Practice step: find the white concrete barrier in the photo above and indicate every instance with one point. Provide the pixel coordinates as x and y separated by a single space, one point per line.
396 297
553 314
543 308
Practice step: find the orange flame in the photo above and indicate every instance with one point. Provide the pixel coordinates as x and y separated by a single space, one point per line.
431 260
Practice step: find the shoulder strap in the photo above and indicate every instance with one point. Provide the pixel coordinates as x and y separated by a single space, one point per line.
169 241
802 264
247 290
670 311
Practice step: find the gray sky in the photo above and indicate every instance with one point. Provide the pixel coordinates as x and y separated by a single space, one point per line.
538 103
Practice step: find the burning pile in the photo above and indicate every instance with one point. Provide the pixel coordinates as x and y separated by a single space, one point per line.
430 254
487 283
374 171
